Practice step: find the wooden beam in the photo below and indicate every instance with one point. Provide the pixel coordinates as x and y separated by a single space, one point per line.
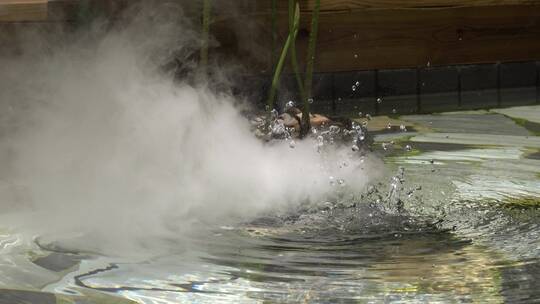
23 10
353 34
395 38
350 5
408 38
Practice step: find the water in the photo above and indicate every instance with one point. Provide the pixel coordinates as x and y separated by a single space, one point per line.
121 186
408 238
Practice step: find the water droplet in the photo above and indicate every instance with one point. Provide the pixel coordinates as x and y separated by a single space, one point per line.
355 148
357 83
354 88
408 148
379 100
341 182
403 128
389 126
289 105
360 114
320 143
394 111
292 144
355 55
310 100
274 114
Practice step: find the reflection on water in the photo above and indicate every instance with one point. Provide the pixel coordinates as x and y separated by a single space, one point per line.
263 265
430 266
484 255
463 236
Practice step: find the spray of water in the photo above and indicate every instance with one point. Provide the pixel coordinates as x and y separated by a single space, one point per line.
97 142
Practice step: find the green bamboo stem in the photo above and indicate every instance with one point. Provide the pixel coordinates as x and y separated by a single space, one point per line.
311 48
305 123
207 8
293 4
310 62
84 13
281 61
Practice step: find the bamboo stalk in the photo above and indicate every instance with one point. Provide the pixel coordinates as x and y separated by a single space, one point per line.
305 124
293 4
84 13
310 62
207 8
281 61
311 48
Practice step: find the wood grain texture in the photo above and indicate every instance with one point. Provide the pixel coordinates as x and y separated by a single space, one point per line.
23 10
348 5
353 34
397 38
394 38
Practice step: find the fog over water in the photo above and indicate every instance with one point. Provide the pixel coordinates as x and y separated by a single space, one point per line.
99 145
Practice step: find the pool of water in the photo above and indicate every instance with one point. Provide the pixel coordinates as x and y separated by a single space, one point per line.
451 222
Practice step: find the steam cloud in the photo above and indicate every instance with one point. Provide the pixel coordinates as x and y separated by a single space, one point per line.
96 141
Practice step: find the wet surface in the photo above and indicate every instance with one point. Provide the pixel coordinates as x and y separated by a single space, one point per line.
533 155
57 261
25 297
470 123
459 223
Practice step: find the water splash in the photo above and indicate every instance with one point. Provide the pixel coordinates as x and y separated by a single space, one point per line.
104 146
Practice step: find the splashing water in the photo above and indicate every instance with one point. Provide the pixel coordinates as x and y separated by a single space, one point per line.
103 153
103 146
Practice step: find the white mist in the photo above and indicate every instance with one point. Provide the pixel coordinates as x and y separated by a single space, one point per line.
95 142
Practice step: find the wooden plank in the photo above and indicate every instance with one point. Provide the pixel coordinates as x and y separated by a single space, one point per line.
23 10
409 38
55 10
350 5
356 34
369 39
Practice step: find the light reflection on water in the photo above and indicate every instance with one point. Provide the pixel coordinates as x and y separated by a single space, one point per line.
474 250
238 267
